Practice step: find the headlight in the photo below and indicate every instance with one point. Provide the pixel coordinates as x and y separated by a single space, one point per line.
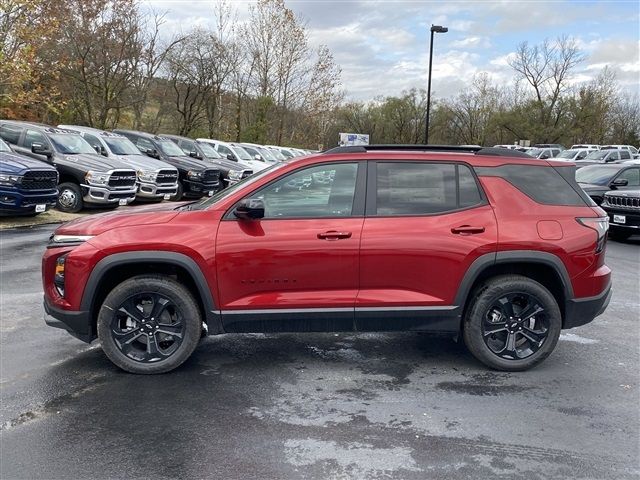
147 176
10 180
60 240
96 178
193 175
235 174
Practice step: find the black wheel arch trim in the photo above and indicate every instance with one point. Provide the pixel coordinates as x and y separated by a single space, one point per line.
512 256
212 316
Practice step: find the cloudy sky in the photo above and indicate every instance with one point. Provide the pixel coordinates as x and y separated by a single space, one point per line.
383 46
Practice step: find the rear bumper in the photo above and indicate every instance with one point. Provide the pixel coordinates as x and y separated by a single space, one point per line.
78 324
581 311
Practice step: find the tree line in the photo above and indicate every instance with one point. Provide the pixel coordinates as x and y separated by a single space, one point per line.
107 64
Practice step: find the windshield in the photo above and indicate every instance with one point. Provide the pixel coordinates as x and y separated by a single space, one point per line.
207 202
4 147
276 154
597 174
596 155
208 150
70 144
534 152
567 154
267 155
241 153
121 146
170 149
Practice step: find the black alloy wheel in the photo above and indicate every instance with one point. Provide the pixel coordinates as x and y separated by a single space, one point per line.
512 323
147 327
149 324
515 326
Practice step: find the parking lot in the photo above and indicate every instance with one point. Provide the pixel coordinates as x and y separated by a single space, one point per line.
400 405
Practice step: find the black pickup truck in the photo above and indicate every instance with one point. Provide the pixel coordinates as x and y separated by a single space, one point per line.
85 177
196 177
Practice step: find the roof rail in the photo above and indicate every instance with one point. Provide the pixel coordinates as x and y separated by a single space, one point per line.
500 152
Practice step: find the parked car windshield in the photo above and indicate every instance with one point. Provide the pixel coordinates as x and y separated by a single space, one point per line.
266 155
597 155
70 144
567 154
170 148
121 146
208 150
596 174
241 153
534 152
4 147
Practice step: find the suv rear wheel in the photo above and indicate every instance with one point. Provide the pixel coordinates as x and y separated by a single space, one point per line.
513 323
149 324
69 198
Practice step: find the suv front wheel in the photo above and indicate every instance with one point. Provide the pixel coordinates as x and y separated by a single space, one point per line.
513 323
149 324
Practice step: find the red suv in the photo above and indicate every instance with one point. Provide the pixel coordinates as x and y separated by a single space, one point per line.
490 244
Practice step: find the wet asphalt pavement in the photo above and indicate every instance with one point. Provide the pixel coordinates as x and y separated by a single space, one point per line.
400 406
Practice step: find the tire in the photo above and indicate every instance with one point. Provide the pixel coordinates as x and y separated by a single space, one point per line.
512 345
619 235
69 198
127 325
179 193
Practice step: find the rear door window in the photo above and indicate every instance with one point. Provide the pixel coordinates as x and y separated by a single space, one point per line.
422 188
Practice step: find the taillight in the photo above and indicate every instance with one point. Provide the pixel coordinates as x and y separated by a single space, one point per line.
600 225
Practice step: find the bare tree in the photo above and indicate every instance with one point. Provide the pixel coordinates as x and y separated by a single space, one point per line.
547 68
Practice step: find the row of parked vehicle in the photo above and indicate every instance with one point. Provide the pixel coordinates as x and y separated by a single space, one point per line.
582 154
72 167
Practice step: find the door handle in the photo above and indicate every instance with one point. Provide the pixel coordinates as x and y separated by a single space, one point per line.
467 230
332 235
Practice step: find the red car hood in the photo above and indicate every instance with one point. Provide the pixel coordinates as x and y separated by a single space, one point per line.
99 223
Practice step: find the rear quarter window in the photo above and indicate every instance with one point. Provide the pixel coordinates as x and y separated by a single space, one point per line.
542 184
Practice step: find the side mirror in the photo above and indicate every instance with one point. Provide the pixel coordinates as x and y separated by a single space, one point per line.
258 157
40 149
544 156
619 182
194 154
152 152
249 209
232 157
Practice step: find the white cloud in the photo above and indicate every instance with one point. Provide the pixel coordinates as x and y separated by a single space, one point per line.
472 42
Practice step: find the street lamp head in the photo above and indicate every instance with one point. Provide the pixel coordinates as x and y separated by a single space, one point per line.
439 29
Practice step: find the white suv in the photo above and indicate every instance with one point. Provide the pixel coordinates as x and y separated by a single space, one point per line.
235 153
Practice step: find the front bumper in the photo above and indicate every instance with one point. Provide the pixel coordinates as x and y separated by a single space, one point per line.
631 219
78 324
581 311
200 189
20 203
107 196
154 191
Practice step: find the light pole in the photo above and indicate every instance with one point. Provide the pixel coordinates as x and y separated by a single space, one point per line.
434 29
